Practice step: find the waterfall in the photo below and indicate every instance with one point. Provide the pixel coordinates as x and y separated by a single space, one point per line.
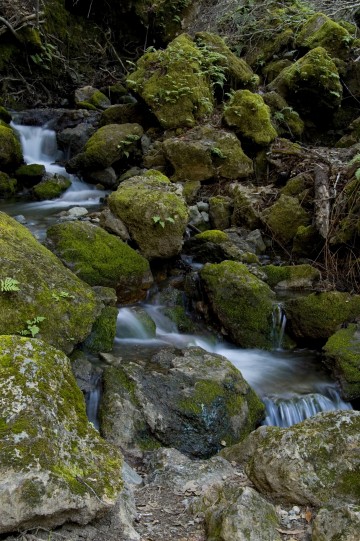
92 400
293 385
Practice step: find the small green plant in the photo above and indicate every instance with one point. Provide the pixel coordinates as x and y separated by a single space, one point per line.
62 295
158 220
32 328
9 284
215 151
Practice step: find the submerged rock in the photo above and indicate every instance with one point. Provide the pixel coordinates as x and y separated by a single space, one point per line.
101 259
54 466
188 399
311 463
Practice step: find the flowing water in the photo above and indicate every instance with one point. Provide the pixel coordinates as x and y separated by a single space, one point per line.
293 385
40 147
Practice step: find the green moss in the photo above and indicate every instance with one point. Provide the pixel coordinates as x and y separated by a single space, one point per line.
248 114
296 276
100 258
7 186
342 352
178 315
174 83
321 31
212 235
284 218
317 316
241 302
5 115
10 149
153 173
103 332
51 188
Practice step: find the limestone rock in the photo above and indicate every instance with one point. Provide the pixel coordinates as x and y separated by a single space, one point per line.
46 289
332 523
54 465
101 259
154 213
312 463
241 302
187 399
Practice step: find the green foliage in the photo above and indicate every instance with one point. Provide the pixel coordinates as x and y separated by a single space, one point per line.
158 220
62 295
45 58
9 284
32 328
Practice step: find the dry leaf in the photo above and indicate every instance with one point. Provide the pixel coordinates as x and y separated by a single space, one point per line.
290 532
308 516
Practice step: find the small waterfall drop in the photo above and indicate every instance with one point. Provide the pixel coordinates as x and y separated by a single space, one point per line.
92 400
293 385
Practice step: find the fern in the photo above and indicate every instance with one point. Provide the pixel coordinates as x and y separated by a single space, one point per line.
32 326
9 284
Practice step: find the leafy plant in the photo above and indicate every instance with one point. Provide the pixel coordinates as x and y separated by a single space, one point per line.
62 295
158 220
9 284
32 328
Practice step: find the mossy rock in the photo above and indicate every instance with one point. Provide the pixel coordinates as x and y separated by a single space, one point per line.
163 18
103 332
307 242
352 136
319 315
348 226
326 468
7 186
55 463
206 152
241 302
191 189
42 278
122 113
321 31
284 218
220 209
291 277
298 186
212 235
153 212
101 259
286 120
91 98
51 188
249 116
29 175
5 115
201 399
108 145
244 208
174 83
238 74
342 354
311 85
272 69
11 155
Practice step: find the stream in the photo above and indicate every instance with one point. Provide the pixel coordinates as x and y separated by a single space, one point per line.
292 384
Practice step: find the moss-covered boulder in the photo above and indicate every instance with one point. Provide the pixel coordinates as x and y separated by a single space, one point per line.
321 31
241 302
311 85
174 83
245 204
91 98
101 259
51 187
7 186
249 116
5 115
311 463
46 289
336 521
284 218
11 155
237 73
103 333
153 212
108 145
347 228
342 353
29 175
291 277
205 152
317 316
286 120
220 209
188 399
54 465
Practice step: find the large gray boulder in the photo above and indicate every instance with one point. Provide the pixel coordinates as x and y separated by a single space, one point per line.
54 467
315 462
188 399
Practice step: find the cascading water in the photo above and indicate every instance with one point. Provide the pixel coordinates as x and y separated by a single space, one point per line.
39 146
279 324
293 385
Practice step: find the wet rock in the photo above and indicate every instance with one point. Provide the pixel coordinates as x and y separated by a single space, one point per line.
91 98
51 187
112 224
